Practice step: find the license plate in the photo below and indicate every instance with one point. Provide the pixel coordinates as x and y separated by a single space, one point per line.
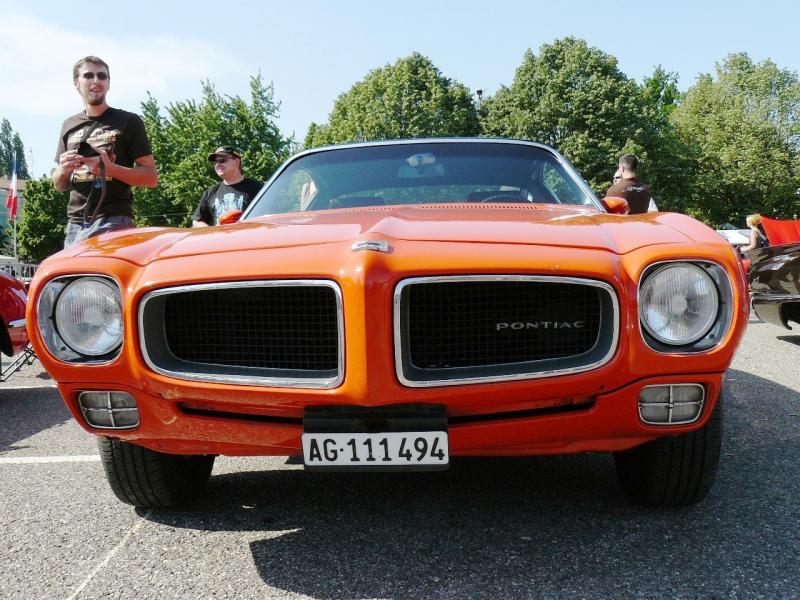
417 450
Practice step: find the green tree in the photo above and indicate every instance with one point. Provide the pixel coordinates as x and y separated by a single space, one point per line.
744 126
667 162
574 98
183 137
40 231
408 99
11 146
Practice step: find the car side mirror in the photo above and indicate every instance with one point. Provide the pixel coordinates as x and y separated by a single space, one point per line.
230 216
616 205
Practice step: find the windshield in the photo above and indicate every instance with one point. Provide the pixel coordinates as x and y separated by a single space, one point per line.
423 173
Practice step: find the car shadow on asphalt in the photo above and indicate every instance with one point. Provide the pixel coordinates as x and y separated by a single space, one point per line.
495 527
789 338
792 339
24 412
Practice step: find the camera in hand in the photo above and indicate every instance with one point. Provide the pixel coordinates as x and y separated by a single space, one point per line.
85 149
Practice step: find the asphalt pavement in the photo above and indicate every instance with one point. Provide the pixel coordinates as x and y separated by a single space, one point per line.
545 527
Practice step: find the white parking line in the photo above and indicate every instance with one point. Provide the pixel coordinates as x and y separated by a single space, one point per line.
29 386
26 460
108 558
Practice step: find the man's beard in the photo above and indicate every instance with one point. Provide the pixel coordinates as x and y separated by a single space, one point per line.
93 98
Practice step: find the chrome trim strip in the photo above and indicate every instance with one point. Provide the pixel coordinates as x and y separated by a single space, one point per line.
398 356
16 324
313 383
720 302
774 297
671 404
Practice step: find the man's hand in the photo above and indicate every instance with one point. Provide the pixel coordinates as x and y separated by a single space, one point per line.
67 163
93 162
142 174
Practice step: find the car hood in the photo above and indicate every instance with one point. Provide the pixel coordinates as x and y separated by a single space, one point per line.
549 226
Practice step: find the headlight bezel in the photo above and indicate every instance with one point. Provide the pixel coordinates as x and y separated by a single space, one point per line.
719 327
50 331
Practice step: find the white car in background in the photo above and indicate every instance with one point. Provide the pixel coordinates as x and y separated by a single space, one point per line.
735 237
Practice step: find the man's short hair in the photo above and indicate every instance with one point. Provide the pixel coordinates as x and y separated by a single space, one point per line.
89 59
629 161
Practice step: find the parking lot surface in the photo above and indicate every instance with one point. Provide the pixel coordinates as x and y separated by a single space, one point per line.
546 527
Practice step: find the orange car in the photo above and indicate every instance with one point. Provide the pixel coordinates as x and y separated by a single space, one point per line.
392 306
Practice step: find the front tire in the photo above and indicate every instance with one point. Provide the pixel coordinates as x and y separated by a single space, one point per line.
674 470
150 479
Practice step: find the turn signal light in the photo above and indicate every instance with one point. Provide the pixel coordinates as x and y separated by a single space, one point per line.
675 404
109 409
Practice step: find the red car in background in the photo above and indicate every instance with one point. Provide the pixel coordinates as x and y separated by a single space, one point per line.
13 334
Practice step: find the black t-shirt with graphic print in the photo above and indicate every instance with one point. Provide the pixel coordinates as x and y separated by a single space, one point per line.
222 197
121 134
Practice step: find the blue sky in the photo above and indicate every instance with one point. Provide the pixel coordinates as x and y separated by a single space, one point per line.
312 51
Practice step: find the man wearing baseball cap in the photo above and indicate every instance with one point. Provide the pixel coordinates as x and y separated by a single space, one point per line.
234 191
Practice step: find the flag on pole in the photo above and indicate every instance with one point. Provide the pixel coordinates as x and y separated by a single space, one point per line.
12 199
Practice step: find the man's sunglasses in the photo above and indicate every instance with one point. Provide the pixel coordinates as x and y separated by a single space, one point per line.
89 75
219 160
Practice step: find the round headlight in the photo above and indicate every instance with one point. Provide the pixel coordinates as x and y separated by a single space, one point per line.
88 316
678 303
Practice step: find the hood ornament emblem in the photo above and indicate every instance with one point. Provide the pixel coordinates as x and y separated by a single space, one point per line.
375 245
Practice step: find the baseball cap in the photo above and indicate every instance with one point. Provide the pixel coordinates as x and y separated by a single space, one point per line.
225 151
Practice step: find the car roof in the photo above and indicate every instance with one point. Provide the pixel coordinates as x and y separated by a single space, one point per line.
435 140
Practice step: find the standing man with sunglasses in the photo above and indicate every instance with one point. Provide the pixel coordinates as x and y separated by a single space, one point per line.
102 152
234 192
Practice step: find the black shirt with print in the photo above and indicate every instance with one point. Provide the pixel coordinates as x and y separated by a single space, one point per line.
122 135
222 197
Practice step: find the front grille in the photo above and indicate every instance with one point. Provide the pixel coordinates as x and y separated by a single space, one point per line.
486 328
285 333
270 328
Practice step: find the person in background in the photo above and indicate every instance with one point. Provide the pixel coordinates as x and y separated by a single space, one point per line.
102 152
629 187
234 192
651 207
758 237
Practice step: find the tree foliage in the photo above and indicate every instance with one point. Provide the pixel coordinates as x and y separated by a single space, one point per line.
666 162
408 99
575 98
10 146
727 147
571 97
40 231
745 127
190 130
